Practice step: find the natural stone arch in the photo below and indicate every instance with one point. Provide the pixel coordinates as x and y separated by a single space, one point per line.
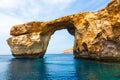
31 39
96 34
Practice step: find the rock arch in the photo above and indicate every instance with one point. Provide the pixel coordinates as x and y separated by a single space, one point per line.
96 34
31 39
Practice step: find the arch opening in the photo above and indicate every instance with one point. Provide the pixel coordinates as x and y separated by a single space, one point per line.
60 41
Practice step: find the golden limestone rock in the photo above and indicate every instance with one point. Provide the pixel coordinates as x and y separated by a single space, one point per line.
97 34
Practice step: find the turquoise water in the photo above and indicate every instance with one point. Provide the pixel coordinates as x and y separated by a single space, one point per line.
57 67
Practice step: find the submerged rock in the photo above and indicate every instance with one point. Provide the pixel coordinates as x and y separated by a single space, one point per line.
97 34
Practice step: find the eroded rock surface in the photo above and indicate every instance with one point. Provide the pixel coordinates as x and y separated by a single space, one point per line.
97 34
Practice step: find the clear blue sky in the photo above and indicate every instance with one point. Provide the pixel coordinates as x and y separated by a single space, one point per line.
20 11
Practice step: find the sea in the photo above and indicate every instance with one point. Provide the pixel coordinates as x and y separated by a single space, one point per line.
57 67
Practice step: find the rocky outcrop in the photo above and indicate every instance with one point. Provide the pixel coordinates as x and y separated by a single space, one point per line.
96 34
68 51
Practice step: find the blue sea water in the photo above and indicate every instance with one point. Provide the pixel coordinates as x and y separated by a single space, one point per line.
57 67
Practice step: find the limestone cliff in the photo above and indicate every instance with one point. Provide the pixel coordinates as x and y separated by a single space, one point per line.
96 34
68 51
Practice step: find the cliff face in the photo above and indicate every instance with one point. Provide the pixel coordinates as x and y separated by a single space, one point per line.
96 34
68 51
98 37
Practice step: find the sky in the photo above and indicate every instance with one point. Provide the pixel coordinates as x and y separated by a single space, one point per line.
14 12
